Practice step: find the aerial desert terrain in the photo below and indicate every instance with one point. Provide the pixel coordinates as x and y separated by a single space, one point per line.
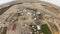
23 18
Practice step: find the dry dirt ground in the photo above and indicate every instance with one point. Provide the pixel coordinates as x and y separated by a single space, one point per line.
51 16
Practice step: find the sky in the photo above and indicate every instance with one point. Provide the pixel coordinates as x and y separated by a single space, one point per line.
56 2
5 1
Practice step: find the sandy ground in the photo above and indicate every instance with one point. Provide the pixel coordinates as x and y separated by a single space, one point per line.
47 11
